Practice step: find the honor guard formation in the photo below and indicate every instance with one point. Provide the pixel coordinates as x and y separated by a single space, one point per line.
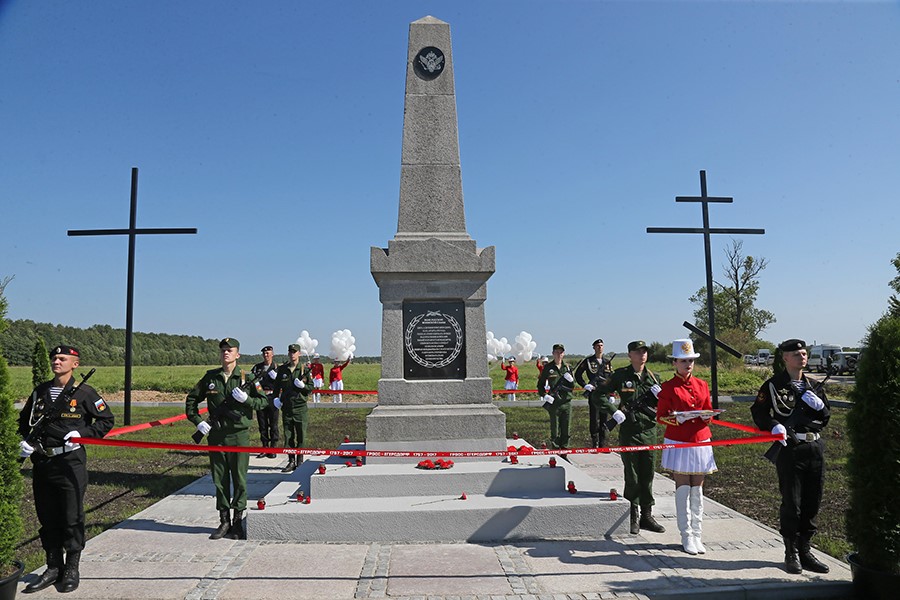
631 397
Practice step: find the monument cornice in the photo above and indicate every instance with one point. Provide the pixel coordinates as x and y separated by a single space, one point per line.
430 258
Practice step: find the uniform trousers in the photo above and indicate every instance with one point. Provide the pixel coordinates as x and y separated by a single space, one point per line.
59 483
229 469
267 419
294 419
337 384
801 478
317 384
639 474
560 420
597 420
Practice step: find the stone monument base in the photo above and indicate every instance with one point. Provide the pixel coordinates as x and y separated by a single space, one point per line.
435 427
399 503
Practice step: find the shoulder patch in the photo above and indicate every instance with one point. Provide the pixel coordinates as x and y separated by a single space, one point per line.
100 404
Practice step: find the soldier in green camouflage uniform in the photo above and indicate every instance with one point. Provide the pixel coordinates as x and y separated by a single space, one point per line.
557 402
230 414
638 428
293 383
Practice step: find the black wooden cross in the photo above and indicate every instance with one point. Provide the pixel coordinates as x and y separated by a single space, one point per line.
706 230
132 232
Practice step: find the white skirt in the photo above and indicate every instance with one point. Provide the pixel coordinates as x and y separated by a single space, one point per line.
695 460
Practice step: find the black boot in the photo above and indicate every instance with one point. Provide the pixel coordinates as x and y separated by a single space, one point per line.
70 577
237 531
291 465
635 513
808 561
224 525
595 440
51 575
648 522
791 561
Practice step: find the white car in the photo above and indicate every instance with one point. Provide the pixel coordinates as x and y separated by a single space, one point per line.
844 362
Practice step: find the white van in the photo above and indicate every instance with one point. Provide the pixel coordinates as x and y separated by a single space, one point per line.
764 357
820 356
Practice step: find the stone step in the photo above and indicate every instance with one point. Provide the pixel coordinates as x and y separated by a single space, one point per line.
380 502
478 518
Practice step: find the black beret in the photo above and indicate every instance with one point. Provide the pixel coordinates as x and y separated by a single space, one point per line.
70 350
266 348
791 345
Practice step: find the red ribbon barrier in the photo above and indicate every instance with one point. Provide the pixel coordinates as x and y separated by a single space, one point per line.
411 454
739 427
132 428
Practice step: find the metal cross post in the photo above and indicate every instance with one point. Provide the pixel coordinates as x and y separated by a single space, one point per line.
706 230
132 232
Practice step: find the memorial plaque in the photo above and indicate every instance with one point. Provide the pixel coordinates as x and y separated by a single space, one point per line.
433 340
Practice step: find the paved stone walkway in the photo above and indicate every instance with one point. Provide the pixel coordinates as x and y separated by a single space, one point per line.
164 552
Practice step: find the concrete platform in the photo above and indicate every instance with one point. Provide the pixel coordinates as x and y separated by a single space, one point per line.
401 503
164 552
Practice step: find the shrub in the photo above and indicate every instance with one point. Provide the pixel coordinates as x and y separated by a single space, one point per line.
10 475
873 425
40 364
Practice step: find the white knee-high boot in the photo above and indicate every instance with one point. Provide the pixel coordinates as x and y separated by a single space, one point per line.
682 516
696 506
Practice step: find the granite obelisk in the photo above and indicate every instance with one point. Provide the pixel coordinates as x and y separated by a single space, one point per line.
434 392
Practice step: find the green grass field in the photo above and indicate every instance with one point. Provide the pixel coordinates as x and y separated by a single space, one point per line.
181 379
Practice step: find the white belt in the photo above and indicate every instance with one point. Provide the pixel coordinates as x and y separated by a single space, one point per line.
808 436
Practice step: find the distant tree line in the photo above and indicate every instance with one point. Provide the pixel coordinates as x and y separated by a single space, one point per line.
102 345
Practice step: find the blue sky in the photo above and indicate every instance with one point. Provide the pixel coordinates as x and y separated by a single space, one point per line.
275 129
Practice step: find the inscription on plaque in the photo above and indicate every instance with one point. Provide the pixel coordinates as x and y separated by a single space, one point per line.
434 340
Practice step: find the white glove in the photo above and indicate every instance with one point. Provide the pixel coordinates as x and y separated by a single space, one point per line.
814 401
71 445
298 383
568 377
272 374
655 389
619 417
613 400
589 388
239 395
25 449
203 427
549 399
780 430
277 402
680 419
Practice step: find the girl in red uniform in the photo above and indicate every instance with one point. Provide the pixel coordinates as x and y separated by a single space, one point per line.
512 376
336 378
684 392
